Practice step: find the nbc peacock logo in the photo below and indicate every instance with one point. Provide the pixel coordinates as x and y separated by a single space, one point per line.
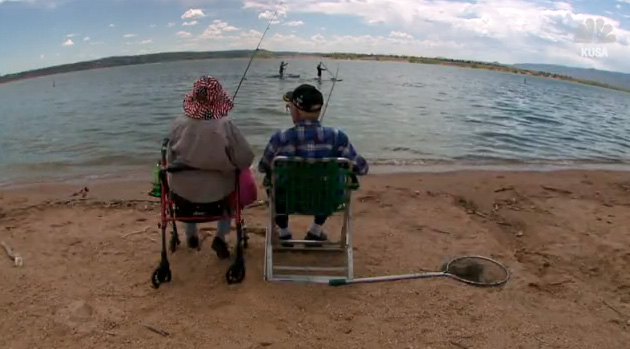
594 32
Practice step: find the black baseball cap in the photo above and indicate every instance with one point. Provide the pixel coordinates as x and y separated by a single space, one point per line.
306 98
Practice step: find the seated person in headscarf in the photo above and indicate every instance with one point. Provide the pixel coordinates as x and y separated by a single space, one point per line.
207 141
308 139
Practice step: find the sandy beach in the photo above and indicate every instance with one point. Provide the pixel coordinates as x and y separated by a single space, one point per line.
564 235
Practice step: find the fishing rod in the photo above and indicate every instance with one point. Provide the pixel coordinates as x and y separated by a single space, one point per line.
256 50
330 94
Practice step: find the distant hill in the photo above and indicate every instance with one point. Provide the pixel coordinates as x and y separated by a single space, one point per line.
611 80
606 77
133 60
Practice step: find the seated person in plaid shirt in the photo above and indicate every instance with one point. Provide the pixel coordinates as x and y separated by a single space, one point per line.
308 139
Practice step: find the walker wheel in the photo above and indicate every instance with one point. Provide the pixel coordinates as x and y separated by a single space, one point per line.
236 273
160 276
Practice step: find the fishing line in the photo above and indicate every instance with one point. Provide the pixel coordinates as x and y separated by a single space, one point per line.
256 50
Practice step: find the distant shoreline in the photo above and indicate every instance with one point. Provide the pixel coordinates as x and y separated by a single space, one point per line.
264 54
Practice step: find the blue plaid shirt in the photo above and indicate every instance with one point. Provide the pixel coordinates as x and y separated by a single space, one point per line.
309 139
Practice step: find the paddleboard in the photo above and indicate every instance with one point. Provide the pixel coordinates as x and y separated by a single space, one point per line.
331 79
277 76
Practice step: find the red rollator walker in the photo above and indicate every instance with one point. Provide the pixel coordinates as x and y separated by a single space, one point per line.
174 208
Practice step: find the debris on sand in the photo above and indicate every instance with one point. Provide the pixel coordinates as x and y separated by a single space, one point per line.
16 258
83 192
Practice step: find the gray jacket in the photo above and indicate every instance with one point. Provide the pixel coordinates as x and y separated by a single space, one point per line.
216 147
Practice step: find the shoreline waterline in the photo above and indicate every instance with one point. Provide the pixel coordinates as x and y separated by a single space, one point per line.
146 173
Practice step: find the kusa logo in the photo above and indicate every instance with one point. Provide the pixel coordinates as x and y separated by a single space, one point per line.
594 52
594 32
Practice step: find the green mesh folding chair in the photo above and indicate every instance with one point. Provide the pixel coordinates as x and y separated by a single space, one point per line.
310 187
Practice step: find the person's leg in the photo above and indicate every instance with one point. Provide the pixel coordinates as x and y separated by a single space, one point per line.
223 227
282 220
315 231
191 235
218 244
283 223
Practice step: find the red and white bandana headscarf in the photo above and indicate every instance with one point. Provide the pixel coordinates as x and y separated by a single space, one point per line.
218 102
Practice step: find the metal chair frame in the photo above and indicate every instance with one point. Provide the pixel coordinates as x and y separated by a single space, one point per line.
343 245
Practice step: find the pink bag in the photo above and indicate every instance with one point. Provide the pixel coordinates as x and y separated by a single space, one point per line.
247 187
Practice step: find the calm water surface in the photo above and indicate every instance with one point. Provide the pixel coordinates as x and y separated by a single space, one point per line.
111 121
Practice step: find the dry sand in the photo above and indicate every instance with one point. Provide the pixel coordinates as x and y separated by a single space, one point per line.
564 236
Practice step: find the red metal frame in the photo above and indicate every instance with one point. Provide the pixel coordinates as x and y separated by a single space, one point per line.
167 203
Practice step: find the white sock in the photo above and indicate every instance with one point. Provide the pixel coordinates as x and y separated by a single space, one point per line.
284 232
316 229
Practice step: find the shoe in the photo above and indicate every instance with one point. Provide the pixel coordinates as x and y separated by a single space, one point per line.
314 237
286 237
193 241
220 247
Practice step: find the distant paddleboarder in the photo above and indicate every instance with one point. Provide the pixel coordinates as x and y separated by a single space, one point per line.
283 64
319 70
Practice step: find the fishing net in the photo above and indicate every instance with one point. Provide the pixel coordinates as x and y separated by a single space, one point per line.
476 270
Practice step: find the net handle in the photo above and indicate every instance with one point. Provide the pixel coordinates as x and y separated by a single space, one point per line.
341 281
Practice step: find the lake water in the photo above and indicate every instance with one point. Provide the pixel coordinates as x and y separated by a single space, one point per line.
111 121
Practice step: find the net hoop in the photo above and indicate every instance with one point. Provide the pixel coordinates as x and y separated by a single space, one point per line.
475 283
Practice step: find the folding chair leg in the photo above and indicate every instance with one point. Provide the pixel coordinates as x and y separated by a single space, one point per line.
269 240
348 244
286 272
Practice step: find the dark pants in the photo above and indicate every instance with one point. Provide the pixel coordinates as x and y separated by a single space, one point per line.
282 220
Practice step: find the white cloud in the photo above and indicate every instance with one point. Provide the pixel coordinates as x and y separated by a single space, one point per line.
318 38
153 26
400 35
216 29
280 12
294 23
68 43
145 42
190 23
618 6
510 31
223 25
87 38
71 35
129 36
183 34
171 24
41 56
193 13
265 15
112 25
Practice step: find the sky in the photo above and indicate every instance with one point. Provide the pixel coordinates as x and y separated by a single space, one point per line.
579 33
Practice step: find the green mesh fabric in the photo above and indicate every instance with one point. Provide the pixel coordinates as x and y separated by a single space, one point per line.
312 188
